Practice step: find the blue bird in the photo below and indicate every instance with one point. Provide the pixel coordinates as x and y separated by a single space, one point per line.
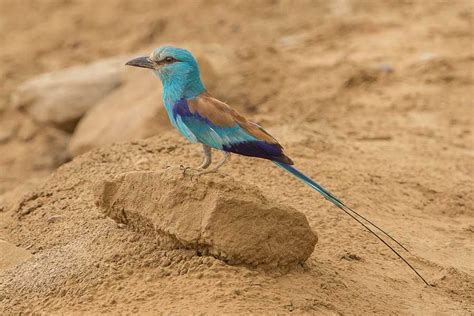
203 119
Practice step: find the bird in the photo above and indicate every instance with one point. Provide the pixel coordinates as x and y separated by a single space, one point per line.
203 119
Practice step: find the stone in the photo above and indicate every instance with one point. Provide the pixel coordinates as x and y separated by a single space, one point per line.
62 97
230 220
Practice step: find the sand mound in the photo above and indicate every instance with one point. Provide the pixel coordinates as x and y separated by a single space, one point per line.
230 220
78 250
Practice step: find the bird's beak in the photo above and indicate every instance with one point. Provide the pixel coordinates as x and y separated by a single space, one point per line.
143 62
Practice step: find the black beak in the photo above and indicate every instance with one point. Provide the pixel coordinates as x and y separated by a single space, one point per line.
143 62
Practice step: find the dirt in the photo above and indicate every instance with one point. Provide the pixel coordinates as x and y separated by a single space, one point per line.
373 99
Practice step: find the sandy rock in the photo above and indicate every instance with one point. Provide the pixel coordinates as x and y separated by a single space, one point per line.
61 98
133 111
10 255
232 221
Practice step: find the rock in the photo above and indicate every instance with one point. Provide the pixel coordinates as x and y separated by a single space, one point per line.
132 112
230 220
61 98
10 255
55 219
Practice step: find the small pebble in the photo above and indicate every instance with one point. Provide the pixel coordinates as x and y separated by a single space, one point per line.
55 218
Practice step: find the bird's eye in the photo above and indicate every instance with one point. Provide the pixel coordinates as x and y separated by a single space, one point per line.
169 59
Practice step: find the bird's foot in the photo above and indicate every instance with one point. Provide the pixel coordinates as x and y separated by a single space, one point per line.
203 168
190 171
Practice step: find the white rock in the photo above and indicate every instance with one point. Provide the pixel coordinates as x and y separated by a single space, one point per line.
61 98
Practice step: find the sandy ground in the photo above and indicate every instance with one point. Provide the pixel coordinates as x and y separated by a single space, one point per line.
372 98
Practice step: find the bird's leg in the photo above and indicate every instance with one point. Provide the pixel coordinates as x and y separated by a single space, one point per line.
206 161
220 164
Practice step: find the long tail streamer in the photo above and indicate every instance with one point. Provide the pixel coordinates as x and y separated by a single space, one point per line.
353 214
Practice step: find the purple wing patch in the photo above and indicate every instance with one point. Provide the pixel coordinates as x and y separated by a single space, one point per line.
259 149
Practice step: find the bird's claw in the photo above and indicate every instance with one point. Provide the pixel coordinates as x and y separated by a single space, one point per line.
184 169
190 171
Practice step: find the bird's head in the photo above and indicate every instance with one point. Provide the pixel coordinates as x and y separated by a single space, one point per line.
170 64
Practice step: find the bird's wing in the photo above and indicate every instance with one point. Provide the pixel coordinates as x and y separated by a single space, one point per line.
217 125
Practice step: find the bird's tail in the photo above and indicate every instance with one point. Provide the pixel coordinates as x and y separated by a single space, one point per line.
353 214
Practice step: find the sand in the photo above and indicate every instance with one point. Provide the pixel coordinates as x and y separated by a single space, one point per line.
373 99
